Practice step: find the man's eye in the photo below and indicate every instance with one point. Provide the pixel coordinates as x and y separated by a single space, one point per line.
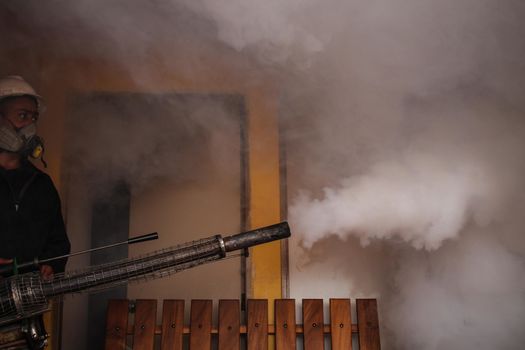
27 116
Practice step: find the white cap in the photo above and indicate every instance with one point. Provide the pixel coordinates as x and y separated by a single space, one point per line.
14 85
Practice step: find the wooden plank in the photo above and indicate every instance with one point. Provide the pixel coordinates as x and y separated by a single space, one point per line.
257 324
172 324
271 329
313 324
285 335
340 324
200 326
368 324
229 325
116 324
145 321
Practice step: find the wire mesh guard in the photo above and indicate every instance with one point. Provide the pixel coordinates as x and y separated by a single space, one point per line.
21 296
154 265
25 295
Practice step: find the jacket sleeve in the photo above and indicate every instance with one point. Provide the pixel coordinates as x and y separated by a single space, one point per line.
57 243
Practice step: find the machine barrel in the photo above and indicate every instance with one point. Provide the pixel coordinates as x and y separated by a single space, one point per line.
26 294
257 236
162 263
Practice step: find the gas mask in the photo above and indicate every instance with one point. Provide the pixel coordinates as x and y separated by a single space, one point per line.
23 141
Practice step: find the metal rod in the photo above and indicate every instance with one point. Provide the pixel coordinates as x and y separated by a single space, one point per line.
36 262
143 238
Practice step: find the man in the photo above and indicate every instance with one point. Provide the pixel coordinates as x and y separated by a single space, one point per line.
31 223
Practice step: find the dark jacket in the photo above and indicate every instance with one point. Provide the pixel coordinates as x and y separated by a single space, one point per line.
31 223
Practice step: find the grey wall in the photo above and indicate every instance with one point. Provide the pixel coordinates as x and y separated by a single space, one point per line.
139 163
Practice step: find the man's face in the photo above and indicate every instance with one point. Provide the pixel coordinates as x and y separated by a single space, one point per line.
20 111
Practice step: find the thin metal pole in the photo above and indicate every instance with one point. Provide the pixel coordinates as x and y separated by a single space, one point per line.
36 261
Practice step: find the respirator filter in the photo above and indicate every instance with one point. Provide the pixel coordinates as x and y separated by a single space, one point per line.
24 141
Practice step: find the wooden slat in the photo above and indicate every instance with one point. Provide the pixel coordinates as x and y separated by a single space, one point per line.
285 324
116 324
145 321
313 324
271 329
257 324
200 327
257 329
368 324
229 325
172 324
340 324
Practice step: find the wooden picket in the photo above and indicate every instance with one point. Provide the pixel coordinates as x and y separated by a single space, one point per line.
117 324
200 324
145 320
368 324
285 333
340 324
172 324
200 333
257 324
229 325
313 324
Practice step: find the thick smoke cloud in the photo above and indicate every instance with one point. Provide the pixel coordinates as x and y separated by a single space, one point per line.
140 139
409 117
458 297
445 177
404 125
415 200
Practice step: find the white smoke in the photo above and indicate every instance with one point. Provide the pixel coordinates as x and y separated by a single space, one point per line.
415 197
255 22
458 297
405 128
139 140
406 125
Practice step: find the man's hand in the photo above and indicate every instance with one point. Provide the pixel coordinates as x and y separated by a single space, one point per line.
46 272
5 261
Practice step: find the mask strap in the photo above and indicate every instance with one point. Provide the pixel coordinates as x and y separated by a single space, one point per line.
42 158
43 162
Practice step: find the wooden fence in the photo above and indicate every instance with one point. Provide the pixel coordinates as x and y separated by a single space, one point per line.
256 330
